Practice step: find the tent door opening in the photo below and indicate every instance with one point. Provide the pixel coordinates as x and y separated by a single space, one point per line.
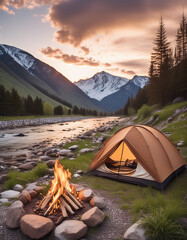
122 161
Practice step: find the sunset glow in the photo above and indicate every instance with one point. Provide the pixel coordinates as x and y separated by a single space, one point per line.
80 38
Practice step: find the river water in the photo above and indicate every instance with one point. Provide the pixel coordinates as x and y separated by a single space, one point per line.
50 133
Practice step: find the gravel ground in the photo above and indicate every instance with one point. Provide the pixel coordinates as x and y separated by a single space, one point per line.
112 228
37 121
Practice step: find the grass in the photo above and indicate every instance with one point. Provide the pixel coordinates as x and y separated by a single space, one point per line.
159 225
168 111
178 131
15 177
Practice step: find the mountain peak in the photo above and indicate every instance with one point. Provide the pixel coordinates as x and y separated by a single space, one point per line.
23 58
103 84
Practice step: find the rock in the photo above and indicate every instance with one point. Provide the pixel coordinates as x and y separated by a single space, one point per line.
21 155
93 217
20 159
35 226
64 152
20 135
10 194
39 189
18 187
3 178
180 143
86 195
101 129
47 149
76 175
89 133
39 154
50 163
27 166
136 231
33 193
25 197
44 158
14 214
79 172
70 230
31 186
72 159
97 202
178 99
70 154
85 150
78 187
73 148
3 200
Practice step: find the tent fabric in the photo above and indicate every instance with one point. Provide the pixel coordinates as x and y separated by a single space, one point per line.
139 173
155 153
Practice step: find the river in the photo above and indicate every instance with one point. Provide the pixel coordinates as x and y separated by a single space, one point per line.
48 133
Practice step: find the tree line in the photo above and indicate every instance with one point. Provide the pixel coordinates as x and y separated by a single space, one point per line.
167 72
12 104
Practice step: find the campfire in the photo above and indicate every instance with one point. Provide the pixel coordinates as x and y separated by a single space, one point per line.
61 198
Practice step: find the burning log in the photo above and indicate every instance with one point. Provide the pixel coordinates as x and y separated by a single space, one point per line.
67 206
74 199
71 202
45 202
63 209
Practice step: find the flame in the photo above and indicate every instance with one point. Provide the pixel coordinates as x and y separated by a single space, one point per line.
59 185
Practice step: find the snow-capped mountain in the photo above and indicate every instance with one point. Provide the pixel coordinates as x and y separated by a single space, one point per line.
140 81
30 76
103 84
21 57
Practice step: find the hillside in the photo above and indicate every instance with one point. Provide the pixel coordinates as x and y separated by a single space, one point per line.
36 76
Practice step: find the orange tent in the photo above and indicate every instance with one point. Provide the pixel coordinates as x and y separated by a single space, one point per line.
140 155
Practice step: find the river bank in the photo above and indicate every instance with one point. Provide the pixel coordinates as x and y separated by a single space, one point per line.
37 121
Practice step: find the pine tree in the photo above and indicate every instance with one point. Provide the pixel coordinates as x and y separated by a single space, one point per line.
161 63
181 42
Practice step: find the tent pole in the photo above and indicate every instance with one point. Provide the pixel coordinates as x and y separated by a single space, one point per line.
120 159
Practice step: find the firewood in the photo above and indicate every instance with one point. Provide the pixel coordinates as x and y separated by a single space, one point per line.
70 202
64 212
74 199
45 202
67 206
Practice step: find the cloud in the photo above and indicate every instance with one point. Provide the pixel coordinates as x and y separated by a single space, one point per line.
78 20
107 65
138 63
17 4
67 58
128 72
86 50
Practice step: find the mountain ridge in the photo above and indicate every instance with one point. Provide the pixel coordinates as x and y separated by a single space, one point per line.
43 77
103 84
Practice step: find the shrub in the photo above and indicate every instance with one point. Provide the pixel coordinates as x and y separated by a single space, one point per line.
160 226
131 111
145 111
48 109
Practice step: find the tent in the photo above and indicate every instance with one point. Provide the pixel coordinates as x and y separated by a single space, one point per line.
140 155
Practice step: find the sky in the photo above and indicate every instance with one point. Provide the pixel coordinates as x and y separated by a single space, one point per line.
82 37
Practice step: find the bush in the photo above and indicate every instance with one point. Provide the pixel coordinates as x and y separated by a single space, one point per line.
145 111
48 109
131 111
58 110
160 226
